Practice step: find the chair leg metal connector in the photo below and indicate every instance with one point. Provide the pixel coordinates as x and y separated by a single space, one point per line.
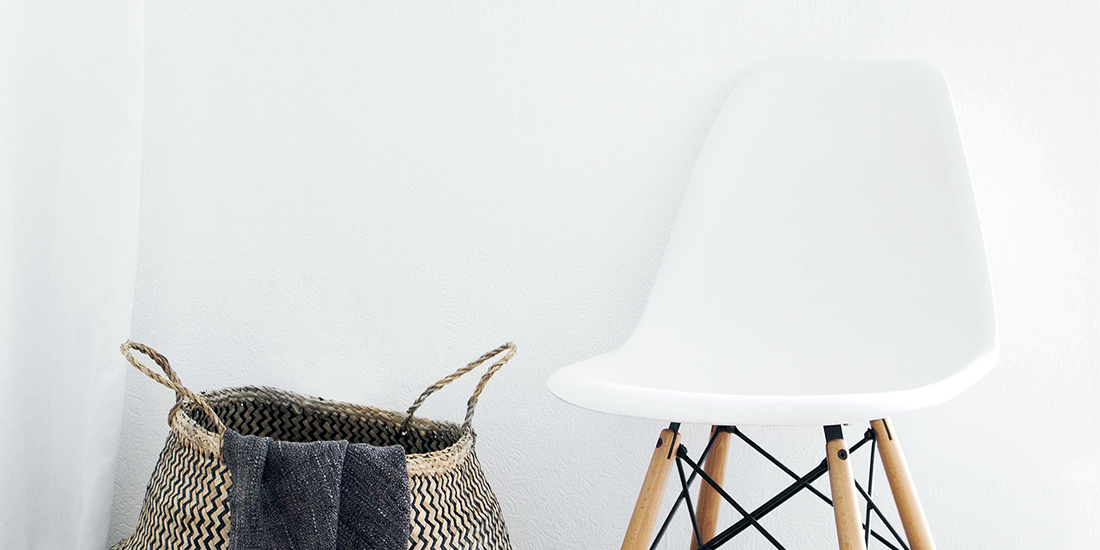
852 532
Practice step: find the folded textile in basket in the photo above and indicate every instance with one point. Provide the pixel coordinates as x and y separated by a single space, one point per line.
324 495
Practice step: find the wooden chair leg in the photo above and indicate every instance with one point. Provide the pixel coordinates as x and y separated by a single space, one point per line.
901 485
706 512
640 530
849 530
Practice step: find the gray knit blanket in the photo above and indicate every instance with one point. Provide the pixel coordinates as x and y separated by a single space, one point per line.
326 495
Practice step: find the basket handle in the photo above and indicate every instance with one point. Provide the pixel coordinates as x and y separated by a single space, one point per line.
172 382
472 403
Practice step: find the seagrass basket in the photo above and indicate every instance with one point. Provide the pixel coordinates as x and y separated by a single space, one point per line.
187 501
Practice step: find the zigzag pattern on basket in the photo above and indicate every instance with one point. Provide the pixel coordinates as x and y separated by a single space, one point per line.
187 501
456 511
186 504
289 416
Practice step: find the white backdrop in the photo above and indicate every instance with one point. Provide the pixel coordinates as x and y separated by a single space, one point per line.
70 149
350 199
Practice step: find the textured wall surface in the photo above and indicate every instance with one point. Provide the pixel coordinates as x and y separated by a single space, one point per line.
350 199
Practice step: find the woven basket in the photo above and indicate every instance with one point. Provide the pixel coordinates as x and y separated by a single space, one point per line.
187 502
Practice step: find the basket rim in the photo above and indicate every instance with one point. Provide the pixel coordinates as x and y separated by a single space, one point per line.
192 432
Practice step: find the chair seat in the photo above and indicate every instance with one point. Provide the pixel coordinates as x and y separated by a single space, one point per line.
631 381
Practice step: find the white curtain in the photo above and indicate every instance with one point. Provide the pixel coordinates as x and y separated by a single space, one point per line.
71 75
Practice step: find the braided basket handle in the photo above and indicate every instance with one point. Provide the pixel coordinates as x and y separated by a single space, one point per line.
172 382
510 348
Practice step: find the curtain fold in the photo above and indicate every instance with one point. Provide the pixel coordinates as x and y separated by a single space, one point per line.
71 85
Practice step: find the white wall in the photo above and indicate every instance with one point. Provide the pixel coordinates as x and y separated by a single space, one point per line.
350 199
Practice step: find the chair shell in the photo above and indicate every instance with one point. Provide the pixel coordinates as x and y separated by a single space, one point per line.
826 265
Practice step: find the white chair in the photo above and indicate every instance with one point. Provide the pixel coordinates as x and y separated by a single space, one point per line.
826 267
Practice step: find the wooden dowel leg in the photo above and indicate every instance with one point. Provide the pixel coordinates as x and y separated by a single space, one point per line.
849 530
640 530
706 512
901 485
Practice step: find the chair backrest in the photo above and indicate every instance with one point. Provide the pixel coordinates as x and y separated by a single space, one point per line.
828 240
